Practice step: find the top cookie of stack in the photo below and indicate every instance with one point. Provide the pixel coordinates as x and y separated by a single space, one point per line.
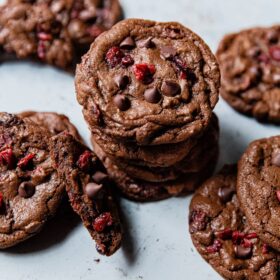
145 84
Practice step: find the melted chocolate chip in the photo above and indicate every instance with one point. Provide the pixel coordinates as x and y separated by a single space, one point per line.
99 177
242 252
92 189
276 159
127 43
167 52
26 189
122 102
170 88
147 43
121 81
152 95
225 193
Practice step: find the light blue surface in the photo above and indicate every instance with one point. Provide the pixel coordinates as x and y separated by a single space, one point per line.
157 244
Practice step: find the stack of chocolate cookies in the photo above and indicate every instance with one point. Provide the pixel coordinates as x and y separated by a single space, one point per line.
148 90
234 216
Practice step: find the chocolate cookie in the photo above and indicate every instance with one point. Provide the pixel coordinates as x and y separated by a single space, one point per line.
144 191
156 156
30 188
55 123
148 82
250 66
89 192
56 32
258 188
222 235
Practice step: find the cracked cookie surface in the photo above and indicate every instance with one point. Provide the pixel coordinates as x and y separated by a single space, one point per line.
222 235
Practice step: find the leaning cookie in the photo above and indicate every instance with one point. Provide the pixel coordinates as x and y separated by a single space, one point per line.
222 235
148 82
56 32
55 123
258 188
30 188
89 191
249 62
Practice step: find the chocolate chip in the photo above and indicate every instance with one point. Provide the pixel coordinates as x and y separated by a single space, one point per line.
99 177
167 52
122 102
242 252
148 43
276 159
127 43
26 189
225 193
122 81
152 95
92 189
170 88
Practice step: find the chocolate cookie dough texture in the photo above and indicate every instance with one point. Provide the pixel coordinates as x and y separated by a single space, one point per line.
148 90
56 32
223 235
250 67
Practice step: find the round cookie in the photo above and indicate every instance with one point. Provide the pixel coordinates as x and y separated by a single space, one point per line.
30 188
89 191
222 235
56 32
143 191
55 123
258 188
148 82
157 156
250 67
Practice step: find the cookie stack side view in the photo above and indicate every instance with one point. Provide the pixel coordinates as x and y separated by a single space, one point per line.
148 90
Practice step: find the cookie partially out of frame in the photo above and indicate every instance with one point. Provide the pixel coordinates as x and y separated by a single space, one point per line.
250 67
222 234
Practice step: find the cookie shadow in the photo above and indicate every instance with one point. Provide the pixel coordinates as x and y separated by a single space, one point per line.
54 232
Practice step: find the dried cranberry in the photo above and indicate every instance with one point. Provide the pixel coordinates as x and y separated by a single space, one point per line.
278 195
25 161
251 235
1 200
274 52
265 249
198 221
7 157
237 237
215 247
44 36
263 58
114 56
103 221
127 61
144 72
246 243
84 160
224 234
41 50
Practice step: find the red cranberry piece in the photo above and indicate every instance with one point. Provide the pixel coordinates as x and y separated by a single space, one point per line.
1 200
263 58
127 61
224 234
265 249
103 221
215 247
275 53
251 235
278 195
25 161
198 221
84 160
114 56
246 243
44 36
237 237
7 157
41 50
144 72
